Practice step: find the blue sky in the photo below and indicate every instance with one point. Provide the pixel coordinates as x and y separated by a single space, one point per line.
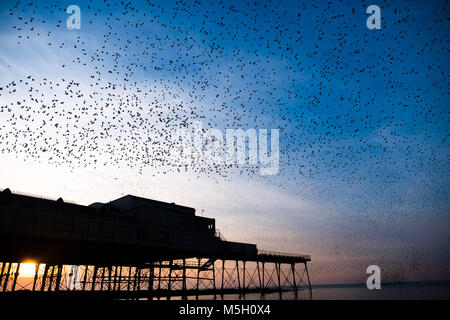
363 119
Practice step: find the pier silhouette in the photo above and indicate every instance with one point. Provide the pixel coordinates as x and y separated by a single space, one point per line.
131 248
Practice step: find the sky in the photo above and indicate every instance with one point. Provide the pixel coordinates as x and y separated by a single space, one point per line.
89 115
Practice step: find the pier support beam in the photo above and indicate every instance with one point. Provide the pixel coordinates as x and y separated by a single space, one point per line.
183 277
36 274
295 289
44 277
309 281
16 275
50 280
86 270
94 277
5 285
151 277
2 272
238 276
58 277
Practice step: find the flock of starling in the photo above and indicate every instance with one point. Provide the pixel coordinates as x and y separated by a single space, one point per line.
354 106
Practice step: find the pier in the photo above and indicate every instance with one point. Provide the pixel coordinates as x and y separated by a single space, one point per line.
132 248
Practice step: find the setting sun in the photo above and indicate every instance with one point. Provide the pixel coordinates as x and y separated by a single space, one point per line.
27 269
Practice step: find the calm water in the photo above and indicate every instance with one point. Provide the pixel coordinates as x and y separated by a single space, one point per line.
389 291
393 291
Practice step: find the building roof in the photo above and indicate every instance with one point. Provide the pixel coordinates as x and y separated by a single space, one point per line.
130 202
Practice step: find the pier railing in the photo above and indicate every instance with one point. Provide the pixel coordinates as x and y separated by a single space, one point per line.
283 254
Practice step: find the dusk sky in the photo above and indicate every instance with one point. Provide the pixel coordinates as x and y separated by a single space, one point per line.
89 115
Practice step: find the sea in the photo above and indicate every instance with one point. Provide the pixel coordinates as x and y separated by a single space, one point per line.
436 290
